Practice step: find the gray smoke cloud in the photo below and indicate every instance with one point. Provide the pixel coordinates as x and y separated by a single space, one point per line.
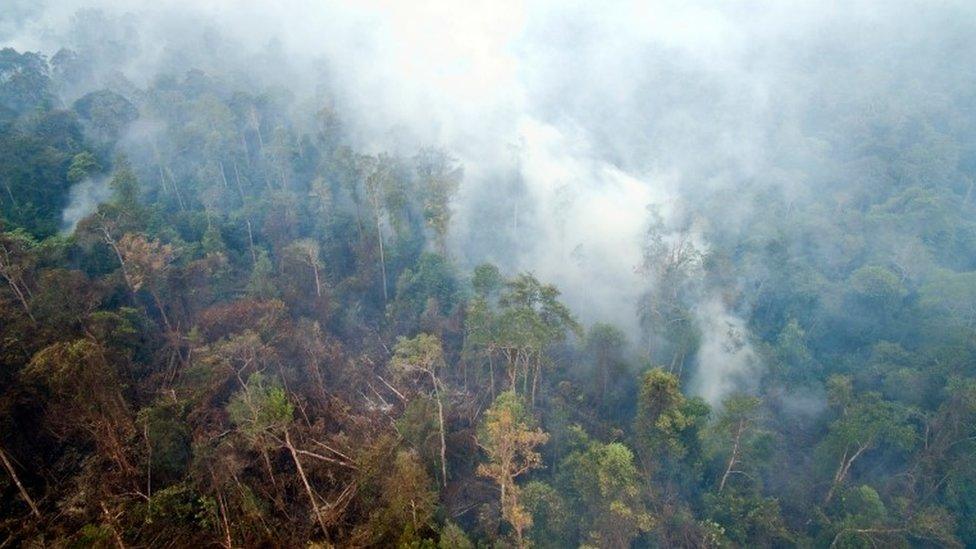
83 199
571 118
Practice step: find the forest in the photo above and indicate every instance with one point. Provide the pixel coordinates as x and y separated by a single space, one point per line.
228 319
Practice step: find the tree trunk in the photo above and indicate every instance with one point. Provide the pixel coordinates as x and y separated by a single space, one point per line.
842 471
379 237
20 487
318 283
491 373
125 272
237 180
250 241
18 292
440 419
308 487
162 312
176 188
6 185
733 457
228 539
111 524
223 175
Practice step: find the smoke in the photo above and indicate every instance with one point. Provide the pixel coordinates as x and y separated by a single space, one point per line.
726 359
83 199
570 118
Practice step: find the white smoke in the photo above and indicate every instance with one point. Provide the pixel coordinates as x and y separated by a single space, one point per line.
598 109
726 360
83 199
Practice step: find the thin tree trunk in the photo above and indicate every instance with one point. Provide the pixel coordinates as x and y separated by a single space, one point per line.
145 433
257 128
162 312
440 419
267 465
162 178
379 237
535 380
6 185
23 492
491 373
223 176
111 524
733 457
308 487
237 179
176 188
318 283
842 471
17 291
250 241
125 272
228 539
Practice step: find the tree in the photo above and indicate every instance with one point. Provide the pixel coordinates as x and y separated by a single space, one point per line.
125 191
24 81
553 522
453 537
406 504
378 176
15 263
261 283
664 419
145 264
20 487
605 480
734 434
508 436
865 421
531 320
424 355
865 520
440 178
674 266
430 284
106 113
84 377
307 251
82 165
604 343
262 413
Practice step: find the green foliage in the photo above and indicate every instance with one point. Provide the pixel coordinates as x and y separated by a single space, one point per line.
553 525
606 484
432 284
83 165
748 519
407 501
167 439
486 280
664 419
877 287
125 188
214 357
24 81
453 537
261 284
260 408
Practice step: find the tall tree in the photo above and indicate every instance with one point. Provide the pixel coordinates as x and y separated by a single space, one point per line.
424 355
864 422
509 437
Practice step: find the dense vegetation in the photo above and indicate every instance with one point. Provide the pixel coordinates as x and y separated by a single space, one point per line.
221 325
